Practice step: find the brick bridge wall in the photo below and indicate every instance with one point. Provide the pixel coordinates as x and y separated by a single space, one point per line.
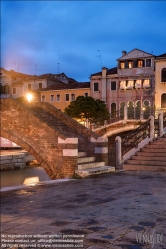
50 136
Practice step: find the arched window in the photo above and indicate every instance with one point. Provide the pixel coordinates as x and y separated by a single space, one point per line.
163 100
130 110
6 89
146 110
163 75
138 109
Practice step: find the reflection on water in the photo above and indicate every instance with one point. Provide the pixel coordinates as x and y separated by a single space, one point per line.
27 176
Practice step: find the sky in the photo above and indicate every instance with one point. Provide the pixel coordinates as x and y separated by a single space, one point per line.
78 38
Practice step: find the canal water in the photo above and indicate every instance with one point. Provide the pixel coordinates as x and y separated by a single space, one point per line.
27 176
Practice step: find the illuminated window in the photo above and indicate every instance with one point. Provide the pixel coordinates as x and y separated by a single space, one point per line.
67 97
140 63
130 84
96 87
14 90
146 83
72 97
123 84
130 64
122 65
58 98
138 84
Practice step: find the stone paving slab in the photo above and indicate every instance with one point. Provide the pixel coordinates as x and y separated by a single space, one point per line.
109 211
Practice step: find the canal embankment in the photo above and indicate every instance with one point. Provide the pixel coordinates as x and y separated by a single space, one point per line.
15 159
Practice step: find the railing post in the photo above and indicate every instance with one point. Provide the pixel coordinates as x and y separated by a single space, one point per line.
151 126
87 123
161 131
118 144
125 112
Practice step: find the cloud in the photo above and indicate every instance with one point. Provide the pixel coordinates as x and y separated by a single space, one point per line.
70 33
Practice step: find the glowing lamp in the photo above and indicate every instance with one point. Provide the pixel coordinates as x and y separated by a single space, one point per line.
29 97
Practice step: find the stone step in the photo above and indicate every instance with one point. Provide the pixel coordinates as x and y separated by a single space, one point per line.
157 145
139 162
91 165
154 150
149 158
143 167
156 154
86 159
94 171
82 154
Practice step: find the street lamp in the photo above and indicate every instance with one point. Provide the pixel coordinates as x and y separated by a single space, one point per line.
29 97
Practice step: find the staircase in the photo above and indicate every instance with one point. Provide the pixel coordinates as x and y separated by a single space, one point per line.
151 157
87 166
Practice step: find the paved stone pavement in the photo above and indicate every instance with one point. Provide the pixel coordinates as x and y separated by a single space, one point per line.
110 211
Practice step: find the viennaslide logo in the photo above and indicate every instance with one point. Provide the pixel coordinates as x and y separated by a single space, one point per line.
147 238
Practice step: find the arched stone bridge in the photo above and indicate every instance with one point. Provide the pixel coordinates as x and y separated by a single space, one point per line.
52 137
118 127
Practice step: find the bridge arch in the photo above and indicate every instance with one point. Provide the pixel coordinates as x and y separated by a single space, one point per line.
42 130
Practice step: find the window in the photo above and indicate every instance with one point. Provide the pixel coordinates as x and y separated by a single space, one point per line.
123 84
29 86
146 83
140 63
6 89
52 98
40 85
130 84
148 63
163 75
113 85
58 98
43 98
14 90
67 97
96 87
130 64
85 94
138 84
72 97
122 65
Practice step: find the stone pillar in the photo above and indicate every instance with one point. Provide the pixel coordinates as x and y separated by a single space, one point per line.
151 126
125 112
87 123
118 144
101 149
161 131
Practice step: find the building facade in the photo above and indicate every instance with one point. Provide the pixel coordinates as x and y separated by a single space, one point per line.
160 81
60 95
131 83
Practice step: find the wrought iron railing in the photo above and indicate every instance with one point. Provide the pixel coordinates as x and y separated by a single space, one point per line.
132 139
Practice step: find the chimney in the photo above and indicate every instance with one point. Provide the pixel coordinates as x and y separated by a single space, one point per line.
104 72
124 53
